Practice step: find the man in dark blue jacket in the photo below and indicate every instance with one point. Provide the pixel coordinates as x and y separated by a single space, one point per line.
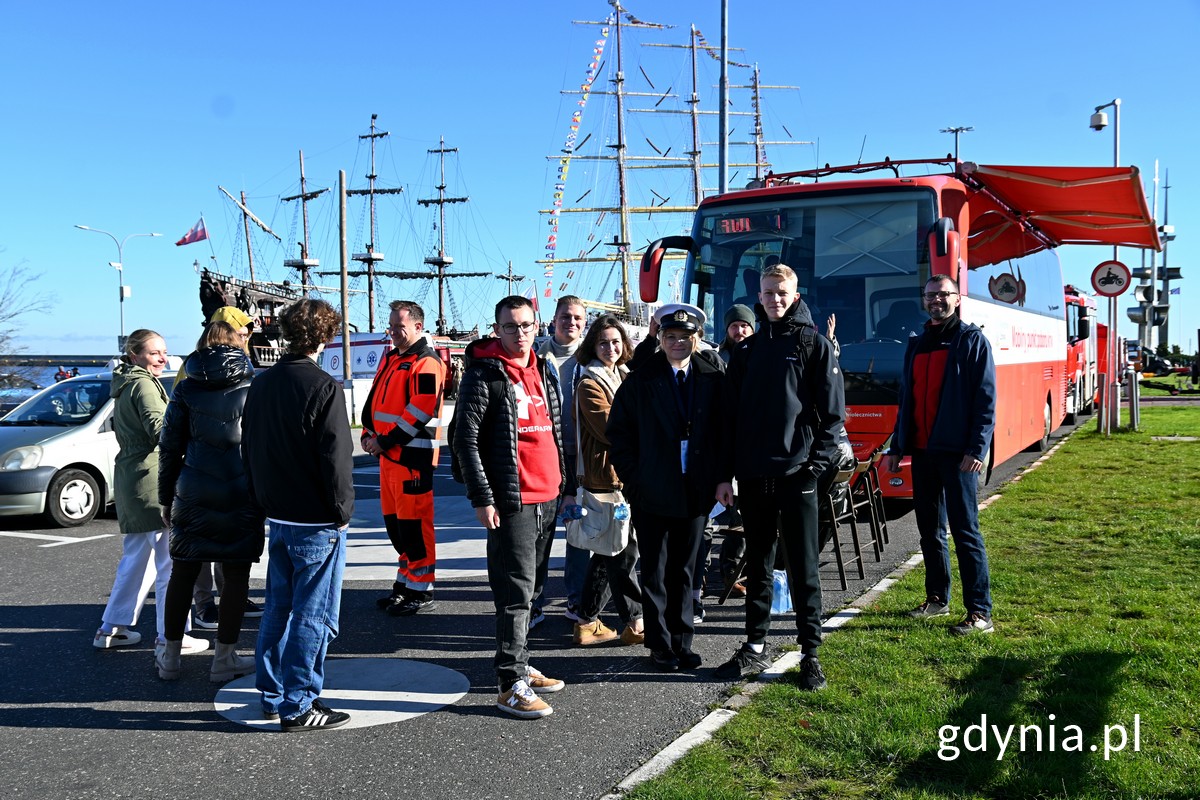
947 414
788 402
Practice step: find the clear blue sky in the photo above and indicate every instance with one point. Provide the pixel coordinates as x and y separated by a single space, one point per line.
126 117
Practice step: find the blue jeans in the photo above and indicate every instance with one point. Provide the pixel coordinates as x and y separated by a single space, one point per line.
300 618
943 492
515 551
575 571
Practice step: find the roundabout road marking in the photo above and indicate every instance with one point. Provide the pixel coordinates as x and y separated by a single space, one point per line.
374 691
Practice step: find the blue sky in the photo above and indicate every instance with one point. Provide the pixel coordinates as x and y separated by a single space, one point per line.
126 118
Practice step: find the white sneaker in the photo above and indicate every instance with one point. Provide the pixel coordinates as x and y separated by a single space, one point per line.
191 645
120 636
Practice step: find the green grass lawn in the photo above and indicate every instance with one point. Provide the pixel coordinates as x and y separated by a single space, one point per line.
1095 564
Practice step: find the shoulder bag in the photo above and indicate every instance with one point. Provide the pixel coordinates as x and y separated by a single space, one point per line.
604 529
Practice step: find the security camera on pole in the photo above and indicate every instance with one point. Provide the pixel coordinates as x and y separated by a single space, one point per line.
1111 279
1110 400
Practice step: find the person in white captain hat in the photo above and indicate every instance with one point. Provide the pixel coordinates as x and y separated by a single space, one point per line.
668 451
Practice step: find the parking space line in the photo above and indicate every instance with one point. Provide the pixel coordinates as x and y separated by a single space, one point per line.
55 541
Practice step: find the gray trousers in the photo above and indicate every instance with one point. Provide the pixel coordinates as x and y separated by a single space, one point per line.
517 553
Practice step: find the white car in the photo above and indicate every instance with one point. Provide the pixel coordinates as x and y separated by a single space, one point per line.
57 451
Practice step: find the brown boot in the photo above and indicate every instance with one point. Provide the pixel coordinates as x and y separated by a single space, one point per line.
632 636
596 632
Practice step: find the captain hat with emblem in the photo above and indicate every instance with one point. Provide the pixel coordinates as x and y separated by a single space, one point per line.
681 316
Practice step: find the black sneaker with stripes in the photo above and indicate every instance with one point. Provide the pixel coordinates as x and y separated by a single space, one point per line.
319 717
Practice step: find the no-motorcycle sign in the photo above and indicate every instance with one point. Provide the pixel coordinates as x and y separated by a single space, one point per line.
1110 278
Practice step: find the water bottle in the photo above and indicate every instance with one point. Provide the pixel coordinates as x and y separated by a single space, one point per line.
621 511
573 511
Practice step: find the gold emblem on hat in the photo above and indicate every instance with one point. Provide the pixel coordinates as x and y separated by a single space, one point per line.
681 316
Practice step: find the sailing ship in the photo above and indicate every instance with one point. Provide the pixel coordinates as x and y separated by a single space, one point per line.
263 300
643 176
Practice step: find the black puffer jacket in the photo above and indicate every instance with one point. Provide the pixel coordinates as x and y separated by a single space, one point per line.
200 476
484 439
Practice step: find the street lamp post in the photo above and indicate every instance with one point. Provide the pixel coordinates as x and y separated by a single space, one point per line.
1110 417
119 266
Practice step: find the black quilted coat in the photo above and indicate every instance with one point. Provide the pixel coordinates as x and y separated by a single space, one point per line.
484 439
200 475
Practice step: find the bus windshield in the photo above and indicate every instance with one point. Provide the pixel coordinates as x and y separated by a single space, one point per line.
862 256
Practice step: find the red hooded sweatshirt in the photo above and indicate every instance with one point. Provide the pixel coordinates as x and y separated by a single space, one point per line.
537 454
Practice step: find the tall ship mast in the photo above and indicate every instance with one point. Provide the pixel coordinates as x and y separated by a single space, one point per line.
304 264
441 261
642 203
372 256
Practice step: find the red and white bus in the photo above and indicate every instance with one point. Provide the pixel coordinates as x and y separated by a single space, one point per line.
864 248
1083 366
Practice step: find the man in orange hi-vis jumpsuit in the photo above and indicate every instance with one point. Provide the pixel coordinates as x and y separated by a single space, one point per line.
401 420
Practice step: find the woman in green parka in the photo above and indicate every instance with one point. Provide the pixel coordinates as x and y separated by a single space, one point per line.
140 402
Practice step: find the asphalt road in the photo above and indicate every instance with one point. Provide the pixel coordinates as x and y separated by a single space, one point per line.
81 723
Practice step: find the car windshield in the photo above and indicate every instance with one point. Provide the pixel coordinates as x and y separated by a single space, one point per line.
66 404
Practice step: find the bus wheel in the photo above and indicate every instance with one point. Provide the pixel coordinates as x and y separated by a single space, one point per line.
1042 444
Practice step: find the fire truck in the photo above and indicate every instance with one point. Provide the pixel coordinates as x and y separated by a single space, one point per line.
1082 366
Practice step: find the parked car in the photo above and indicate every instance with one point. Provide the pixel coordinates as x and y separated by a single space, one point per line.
14 390
57 451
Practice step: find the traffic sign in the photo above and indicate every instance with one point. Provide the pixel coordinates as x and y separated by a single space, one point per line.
1110 278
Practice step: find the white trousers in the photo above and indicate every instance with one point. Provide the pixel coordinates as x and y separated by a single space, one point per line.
145 562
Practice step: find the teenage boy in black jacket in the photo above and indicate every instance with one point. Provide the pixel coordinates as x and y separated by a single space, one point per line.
788 405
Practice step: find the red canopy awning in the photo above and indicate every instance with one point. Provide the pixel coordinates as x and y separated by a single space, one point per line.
1058 205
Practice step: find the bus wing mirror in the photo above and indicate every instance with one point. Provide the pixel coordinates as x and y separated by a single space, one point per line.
652 263
1085 328
944 244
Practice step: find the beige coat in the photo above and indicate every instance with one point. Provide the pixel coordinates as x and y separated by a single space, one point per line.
594 395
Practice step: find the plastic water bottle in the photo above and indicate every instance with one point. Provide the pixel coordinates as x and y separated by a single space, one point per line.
621 511
573 511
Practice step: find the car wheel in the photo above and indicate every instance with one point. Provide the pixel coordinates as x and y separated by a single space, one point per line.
72 499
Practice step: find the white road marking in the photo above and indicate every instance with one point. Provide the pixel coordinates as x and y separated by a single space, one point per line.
461 544
373 691
56 541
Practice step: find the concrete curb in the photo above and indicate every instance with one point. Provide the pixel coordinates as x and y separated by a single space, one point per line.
703 730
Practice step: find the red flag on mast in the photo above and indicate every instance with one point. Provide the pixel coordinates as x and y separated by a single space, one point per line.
198 233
